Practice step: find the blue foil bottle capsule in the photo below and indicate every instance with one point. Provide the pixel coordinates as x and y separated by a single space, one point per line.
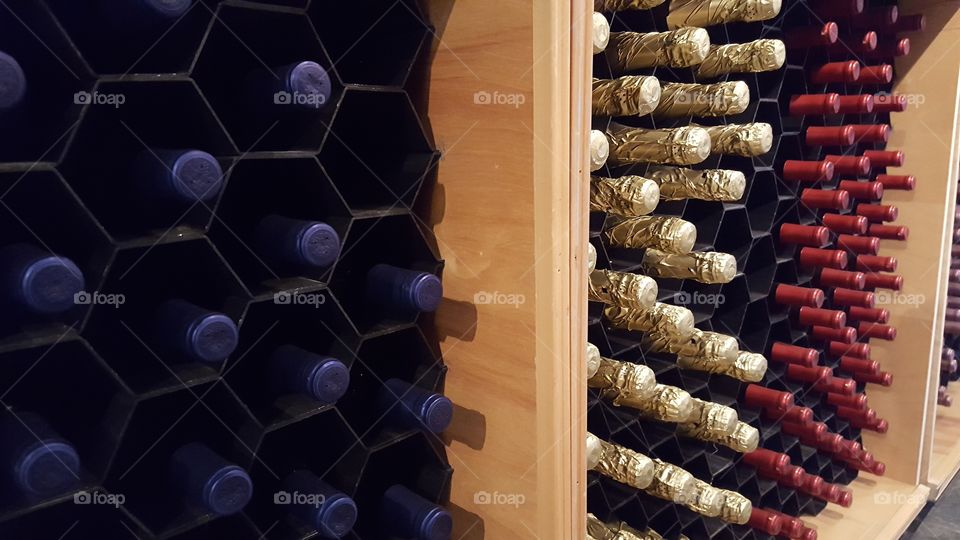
297 242
37 281
297 87
401 291
194 332
409 515
40 461
177 177
13 83
133 15
208 481
319 505
298 371
417 408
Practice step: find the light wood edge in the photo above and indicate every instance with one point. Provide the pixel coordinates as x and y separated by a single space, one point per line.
882 509
945 455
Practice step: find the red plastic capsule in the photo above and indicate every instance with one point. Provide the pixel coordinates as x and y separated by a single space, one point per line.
807 171
875 315
762 458
809 316
817 258
808 431
807 374
859 350
790 526
836 9
843 335
812 36
793 295
856 365
849 297
850 165
836 72
894 181
831 277
889 232
907 23
879 331
829 136
862 190
884 281
885 158
876 17
765 522
889 49
863 133
844 224
836 385
879 74
823 198
806 533
798 415
760 397
856 104
876 263
855 401
878 212
888 103
791 354
806 235
853 43
813 104
867 245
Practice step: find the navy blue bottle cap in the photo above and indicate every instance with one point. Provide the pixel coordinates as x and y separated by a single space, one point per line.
196 175
337 516
407 514
319 244
328 380
425 292
309 85
212 337
48 284
228 490
436 525
167 8
437 412
47 468
13 82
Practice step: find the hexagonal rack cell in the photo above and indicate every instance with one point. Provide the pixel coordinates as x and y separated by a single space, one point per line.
67 518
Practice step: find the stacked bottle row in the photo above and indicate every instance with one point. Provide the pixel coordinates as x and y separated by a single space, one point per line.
951 330
217 323
668 138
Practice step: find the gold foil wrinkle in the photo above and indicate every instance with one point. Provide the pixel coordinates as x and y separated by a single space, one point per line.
678 146
626 383
627 196
666 233
747 140
625 466
622 289
671 483
631 95
668 404
599 150
623 5
713 12
753 57
593 360
628 51
709 185
661 319
690 99
705 267
601 33
736 508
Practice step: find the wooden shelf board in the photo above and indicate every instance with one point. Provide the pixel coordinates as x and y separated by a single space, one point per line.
882 509
945 455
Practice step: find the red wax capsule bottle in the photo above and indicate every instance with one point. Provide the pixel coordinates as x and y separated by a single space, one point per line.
875 17
907 23
859 350
843 335
875 263
901 182
855 401
792 354
837 385
807 171
831 277
849 165
874 315
793 295
811 485
805 235
806 533
856 104
809 431
863 415
878 212
867 133
885 158
836 9
889 232
825 198
820 258
888 103
949 366
829 136
769 460
836 72
812 36
813 104
759 397
857 44
890 49
879 331
810 375
849 297
884 281
765 521
796 415
862 190
790 527
866 245
843 224
879 74
810 316
843 497
858 365
879 425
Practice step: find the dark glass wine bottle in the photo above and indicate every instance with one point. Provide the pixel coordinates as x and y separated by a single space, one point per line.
408 515
296 242
13 83
39 462
208 481
194 332
37 282
399 290
331 513
413 407
296 87
303 372
176 177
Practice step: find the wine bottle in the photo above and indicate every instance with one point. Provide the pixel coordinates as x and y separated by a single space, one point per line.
193 332
624 5
711 422
296 88
746 140
629 51
37 282
846 72
814 104
809 37
39 461
704 267
408 515
599 150
323 508
209 482
296 243
709 185
701 13
619 463
807 171
598 530
401 291
628 384
672 321
296 371
622 289
666 403
630 95
410 407
175 178
142 15
13 83
601 33
628 196
753 57
679 146
678 100
591 258
664 233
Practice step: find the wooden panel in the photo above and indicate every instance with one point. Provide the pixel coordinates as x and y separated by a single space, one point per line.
882 510
509 217
945 455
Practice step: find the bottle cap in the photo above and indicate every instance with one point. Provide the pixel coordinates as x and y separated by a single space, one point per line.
13 82
425 292
227 491
310 85
170 9
856 104
437 412
601 33
337 516
196 175
47 468
807 171
319 244
328 380
436 525
212 337
846 224
49 283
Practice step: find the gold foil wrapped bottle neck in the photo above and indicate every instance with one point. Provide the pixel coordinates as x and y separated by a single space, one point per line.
753 57
593 360
667 404
745 140
622 289
594 451
713 416
599 150
625 383
708 185
735 508
599 530
712 12
708 349
705 267
685 47
624 5
625 466
661 318
591 258
627 196
666 233
671 483
631 95
686 145
749 367
745 438
706 500
690 99
601 33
